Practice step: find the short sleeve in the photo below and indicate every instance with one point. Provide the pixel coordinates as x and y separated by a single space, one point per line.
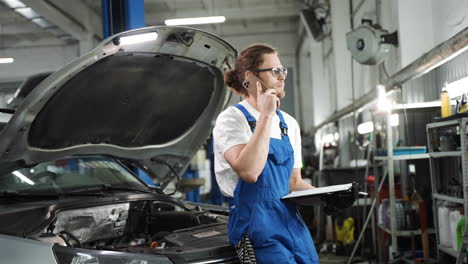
230 130
297 146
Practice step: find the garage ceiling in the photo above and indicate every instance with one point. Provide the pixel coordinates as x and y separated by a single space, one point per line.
71 21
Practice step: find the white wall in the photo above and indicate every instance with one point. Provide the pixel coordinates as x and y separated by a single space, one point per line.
341 24
415 29
421 25
305 86
448 18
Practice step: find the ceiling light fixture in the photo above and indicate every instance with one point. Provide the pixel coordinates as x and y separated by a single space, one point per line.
27 12
13 3
195 20
394 120
128 40
365 128
41 22
328 138
6 60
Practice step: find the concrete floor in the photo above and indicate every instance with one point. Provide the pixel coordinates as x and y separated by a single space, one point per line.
329 259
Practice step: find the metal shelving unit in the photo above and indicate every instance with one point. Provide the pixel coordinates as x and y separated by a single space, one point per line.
407 233
390 159
404 157
445 154
433 130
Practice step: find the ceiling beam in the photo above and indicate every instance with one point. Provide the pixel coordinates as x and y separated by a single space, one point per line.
23 27
31 40
57 17
82 13
67 18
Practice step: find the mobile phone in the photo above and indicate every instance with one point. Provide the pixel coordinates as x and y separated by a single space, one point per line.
252 80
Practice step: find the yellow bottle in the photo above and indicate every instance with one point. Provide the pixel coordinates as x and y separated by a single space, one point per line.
445 106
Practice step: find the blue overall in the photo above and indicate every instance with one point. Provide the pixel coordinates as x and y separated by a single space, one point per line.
275 227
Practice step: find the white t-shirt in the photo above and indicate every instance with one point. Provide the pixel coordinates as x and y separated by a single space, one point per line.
232 129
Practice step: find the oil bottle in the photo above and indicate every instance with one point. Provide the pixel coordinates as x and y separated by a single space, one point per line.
445 105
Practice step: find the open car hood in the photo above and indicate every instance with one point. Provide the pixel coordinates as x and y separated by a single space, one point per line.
152 103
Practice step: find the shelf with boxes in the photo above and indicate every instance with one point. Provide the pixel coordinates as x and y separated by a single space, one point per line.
407 233
399 211
390 159
448 152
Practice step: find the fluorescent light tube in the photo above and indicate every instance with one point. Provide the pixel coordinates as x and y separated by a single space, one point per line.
13 3
23 178
6 60
41 22
128 40
195 20
365 128
328 138
27 12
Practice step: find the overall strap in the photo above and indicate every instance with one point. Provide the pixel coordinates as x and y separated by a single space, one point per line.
252 122
283 125
250 119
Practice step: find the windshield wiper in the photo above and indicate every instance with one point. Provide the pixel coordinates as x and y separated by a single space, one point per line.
17 194
103 190
106 189
36 195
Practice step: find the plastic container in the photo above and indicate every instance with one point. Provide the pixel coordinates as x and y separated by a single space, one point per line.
460 229
444 228
454 219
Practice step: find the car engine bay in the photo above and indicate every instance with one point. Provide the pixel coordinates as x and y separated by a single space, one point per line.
148 227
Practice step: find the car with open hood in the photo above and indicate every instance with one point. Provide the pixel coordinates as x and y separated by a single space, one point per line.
145 98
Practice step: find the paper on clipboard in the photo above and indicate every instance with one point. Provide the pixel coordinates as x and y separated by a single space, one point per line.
340 196
320 190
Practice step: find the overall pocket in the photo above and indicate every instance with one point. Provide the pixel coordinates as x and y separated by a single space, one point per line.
281 154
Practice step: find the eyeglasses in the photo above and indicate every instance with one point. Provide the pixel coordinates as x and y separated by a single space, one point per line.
274 71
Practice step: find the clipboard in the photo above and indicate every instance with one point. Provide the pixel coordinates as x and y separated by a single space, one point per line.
325 195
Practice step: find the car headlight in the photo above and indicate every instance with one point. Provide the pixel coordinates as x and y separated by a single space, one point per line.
67 255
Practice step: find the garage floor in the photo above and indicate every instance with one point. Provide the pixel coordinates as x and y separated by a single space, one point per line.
329 259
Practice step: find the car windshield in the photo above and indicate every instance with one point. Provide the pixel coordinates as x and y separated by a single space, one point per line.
71 174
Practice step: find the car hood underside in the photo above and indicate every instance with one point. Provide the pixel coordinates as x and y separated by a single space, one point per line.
152 103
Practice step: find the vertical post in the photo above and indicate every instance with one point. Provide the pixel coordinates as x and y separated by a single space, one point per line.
119 16
317 209
464 160
122 15
134 14
432 170
391 183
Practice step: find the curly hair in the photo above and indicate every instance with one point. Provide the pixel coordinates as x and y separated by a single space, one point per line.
249 59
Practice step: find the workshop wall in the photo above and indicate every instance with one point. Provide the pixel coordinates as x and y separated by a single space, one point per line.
434 21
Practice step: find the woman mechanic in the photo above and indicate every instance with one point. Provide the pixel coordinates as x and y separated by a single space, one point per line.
258 159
